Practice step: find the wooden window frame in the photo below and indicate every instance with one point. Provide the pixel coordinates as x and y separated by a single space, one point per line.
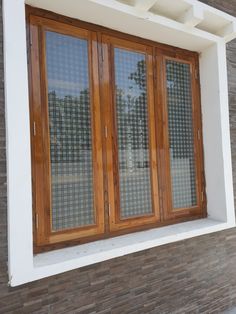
115 222
40 135
169 213
104 132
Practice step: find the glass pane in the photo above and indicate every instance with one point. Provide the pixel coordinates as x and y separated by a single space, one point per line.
181 139
132 129
70 131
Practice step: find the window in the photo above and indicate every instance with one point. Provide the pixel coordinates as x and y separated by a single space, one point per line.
23 265
116 133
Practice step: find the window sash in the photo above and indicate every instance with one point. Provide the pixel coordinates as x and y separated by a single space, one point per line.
41 141
115 221
169 212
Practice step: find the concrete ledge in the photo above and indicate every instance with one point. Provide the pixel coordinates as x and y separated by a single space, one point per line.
59 261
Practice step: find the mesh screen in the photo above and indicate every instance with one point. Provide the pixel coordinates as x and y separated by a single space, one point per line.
70 131
181 134
133 141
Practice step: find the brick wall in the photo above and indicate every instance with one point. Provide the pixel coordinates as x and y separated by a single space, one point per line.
193 276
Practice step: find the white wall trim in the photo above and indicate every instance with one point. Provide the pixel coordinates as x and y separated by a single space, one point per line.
23 266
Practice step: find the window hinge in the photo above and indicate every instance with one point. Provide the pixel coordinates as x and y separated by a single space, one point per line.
198 134
102 53
31 40
196 74
106 132
36 220
109 209
202 196
155 77
34 128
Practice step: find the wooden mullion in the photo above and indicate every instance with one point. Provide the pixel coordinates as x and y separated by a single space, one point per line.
108 122
160 131
152 135
104 128
115 212
96 133
164 139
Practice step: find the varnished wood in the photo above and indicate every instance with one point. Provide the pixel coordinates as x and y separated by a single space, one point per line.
55 26
168 211
41 141
96 134
116 222
37 138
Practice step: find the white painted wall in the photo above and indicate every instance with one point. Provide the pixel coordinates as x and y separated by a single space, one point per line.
18 139
23 266
215 119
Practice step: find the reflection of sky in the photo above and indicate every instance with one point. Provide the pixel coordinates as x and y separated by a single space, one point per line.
126 63
67 65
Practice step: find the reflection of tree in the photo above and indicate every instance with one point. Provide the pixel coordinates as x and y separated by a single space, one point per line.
139 76
70 128
132 110
181 125
180 109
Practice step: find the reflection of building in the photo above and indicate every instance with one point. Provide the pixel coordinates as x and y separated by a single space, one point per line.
69 126
181 182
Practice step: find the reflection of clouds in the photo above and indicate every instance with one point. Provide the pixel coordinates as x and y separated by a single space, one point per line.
170 84
76 87
130 97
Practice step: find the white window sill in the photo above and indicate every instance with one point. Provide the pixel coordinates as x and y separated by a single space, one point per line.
55 262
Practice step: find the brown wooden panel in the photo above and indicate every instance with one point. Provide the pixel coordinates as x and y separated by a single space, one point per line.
41 140
116 222
168 210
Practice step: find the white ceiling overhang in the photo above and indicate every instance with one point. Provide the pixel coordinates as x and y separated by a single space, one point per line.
187 24
191 13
